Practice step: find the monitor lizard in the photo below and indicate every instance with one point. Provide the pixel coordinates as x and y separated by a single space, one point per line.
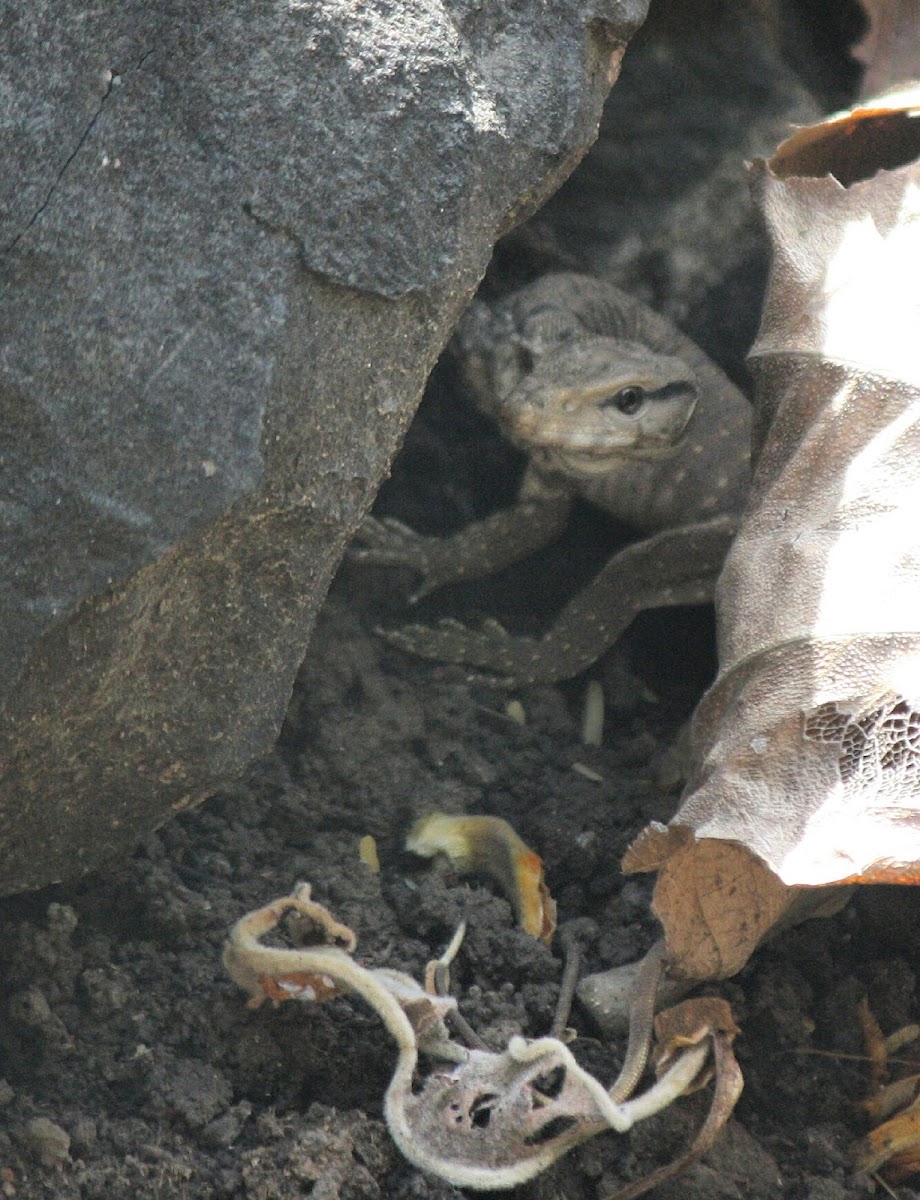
612 403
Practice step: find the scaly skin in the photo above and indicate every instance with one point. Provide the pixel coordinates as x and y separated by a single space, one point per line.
613 404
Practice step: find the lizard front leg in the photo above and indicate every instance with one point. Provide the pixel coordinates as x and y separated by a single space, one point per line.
537 518
676 566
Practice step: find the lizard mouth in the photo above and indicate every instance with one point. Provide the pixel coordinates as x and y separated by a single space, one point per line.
598 445
574 460
594 438
593 448
596 461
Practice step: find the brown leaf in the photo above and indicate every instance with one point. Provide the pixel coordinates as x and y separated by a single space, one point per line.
894 1145
851 146
806 750
689 1023
727 900
717 901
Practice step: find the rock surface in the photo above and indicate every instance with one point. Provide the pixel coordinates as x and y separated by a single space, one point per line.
233 240
661 205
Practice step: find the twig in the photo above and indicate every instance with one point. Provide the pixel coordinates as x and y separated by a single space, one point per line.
571 948
437 979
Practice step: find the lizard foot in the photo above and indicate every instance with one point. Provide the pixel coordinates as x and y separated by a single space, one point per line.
386 542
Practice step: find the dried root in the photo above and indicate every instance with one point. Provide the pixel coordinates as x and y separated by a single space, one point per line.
481 1119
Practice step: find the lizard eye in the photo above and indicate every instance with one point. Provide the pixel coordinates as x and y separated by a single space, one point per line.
628 400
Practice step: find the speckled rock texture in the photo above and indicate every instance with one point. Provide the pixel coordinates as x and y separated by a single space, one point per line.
661 206
233 240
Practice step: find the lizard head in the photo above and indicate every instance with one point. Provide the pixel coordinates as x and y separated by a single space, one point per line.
592 400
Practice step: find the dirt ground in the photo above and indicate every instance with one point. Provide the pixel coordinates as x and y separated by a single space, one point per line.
132 1068
129 1064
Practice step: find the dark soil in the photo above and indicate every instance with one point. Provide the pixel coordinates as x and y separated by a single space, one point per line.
129 1064
124 1036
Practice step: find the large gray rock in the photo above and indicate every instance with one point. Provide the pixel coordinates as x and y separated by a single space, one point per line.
233 239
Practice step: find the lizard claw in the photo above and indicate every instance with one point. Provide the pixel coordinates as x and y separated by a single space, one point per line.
386 542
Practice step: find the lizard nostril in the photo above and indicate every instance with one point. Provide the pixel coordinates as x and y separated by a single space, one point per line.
525 359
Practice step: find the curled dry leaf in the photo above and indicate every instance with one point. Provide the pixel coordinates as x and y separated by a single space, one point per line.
266 973
488 845
688 1024
893 1147
320 966
806 750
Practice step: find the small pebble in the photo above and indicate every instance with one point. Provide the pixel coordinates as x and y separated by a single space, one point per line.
367 852
223 1132
606 995
47 1141
62 920
84 1136
592 721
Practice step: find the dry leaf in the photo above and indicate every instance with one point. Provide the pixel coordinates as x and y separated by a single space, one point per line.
689 1023
892 1147
488 845
266 973
806 750
890 48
